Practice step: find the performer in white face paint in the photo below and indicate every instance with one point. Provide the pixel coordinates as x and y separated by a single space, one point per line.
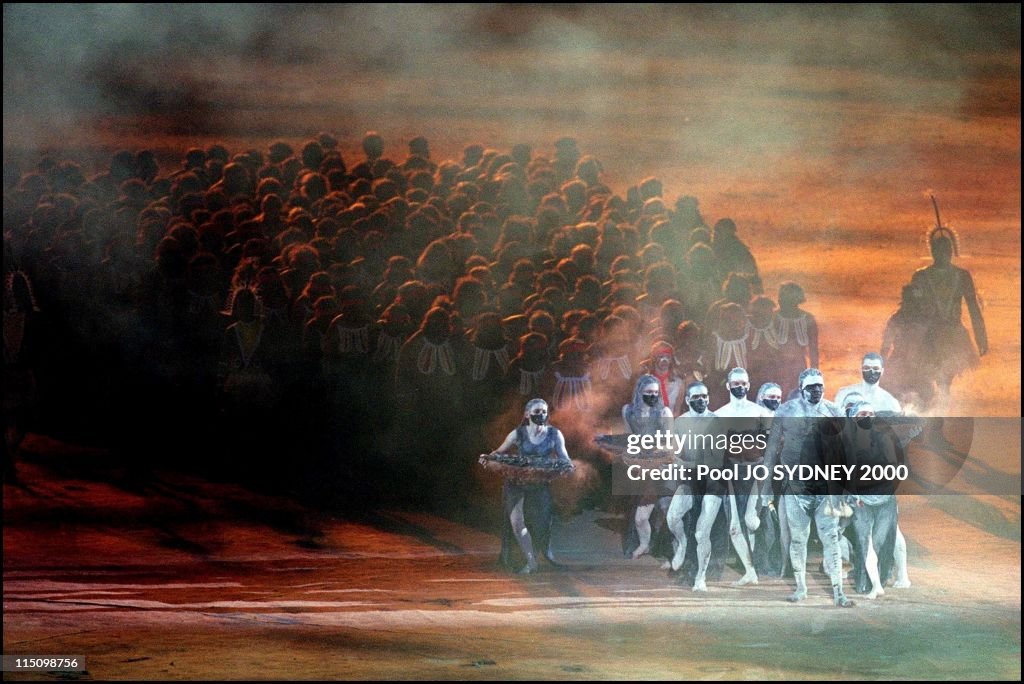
848 397
738 384
872 369
646 414
699 402
744 417
662 365
868 442
769 537
714 494
683 498
770 397
797 438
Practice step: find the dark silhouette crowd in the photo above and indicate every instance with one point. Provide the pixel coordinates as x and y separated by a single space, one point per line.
358 325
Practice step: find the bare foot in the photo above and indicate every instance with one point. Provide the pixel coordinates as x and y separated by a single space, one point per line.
640 551
749 578
842 601
902 583
797 596
699 585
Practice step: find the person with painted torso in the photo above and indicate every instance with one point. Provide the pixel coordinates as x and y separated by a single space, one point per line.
798 437
646 414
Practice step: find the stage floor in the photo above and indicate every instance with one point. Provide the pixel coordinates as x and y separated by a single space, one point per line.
182 579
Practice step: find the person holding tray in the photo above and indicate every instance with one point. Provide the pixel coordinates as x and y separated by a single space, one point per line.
526 497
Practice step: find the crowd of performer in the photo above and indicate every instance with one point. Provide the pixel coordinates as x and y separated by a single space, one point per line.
370 315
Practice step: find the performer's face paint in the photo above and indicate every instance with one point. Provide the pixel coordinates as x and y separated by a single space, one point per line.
865 418
871 371
813 393
698 400
650 394
739 386
663 362
539 415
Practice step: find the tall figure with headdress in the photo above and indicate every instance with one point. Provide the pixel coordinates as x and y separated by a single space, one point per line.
944 288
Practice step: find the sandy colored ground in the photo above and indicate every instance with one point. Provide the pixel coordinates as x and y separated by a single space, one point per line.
181 579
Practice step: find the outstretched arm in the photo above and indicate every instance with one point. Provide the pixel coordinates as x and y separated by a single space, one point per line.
505 447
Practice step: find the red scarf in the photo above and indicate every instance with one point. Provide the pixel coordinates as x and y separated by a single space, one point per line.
663 381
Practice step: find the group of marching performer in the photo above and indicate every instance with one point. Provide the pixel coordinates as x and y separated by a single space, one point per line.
865 511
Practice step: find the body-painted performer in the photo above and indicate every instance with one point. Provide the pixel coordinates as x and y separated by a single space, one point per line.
904 345
770 397
646 414
867 441
798 437
870 389
573 388
744 417
740 415
762 349
528 507
847 398
662 365
726 348
769 555
695 420
796 337
945 288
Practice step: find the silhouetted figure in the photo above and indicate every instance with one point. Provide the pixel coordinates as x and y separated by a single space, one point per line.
796 335
944 288
905 347
732 255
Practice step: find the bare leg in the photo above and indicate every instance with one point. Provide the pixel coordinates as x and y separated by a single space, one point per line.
682 502
799 524
828 530
739 542
708 512
784 533
642 520
871 565
750 517
522 535
900 553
